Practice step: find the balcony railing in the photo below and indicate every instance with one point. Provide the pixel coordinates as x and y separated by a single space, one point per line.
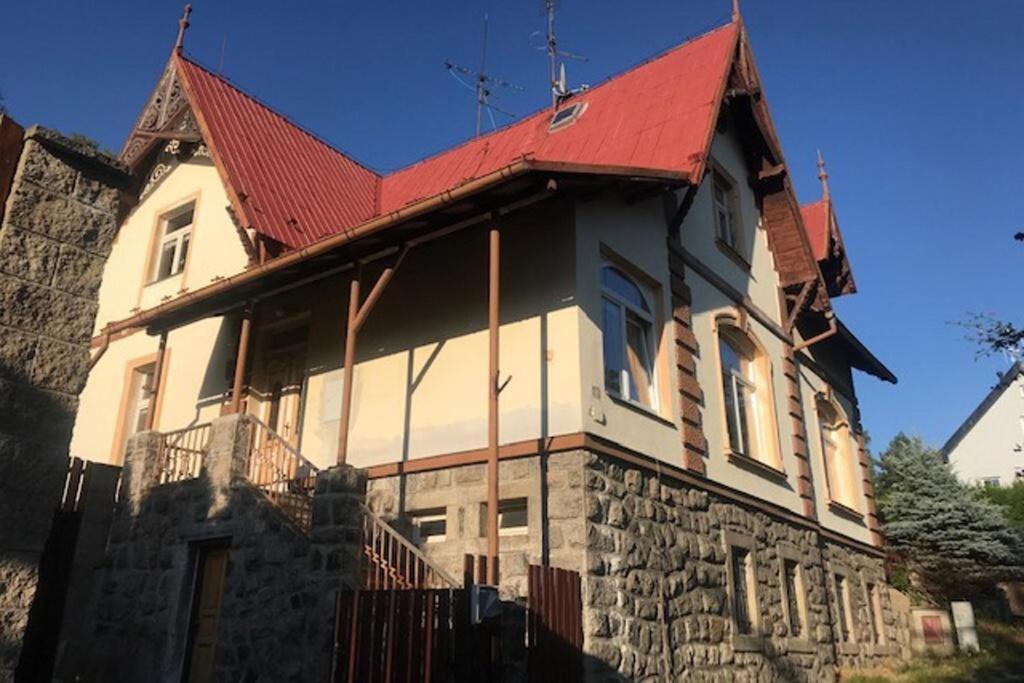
393 562
277 469
182 453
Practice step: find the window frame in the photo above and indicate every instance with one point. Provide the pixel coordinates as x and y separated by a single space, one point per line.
763 425
652 330
720 179
435 514
844 615
121 428
180 238
873 603
843 493
791 555
754 639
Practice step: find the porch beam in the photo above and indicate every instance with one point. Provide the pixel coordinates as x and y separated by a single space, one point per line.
357 315
158 371
242 359
493 389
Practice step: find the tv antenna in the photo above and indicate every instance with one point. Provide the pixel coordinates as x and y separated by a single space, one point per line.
482 83
556 71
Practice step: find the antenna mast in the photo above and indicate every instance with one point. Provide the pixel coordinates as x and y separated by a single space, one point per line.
481 83
556 71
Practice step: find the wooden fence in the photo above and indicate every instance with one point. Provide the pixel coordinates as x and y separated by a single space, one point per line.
554 625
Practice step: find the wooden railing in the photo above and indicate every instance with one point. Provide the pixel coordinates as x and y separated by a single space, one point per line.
277 469
393 562
182 453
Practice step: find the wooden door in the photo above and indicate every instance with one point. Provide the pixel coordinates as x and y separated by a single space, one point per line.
283 380
213 562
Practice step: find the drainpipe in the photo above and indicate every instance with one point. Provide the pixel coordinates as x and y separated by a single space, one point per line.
99 353
832 329
242 359
158 371
492 405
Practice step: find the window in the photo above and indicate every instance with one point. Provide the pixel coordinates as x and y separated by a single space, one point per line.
843 612
172 249
512 517
430 526
874 603
723 195
627 324
566 116
837 450
990 482
747 398
140 401
793 597
744 606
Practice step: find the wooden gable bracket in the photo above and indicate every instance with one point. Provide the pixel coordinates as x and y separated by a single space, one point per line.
797 302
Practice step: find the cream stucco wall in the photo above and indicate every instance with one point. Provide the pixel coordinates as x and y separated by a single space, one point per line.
994 447
215 248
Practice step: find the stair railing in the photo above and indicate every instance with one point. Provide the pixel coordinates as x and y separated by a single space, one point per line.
393 562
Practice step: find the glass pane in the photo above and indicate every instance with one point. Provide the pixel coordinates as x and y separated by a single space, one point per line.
512 514
616 281
796 627
730 357
179 220
611 326
740 562
639 361
742 397
730 413
182 254
166 262
140 420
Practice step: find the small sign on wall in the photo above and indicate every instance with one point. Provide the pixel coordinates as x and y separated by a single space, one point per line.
963 621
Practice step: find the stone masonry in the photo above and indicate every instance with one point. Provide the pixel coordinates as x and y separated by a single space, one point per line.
653 555
59 216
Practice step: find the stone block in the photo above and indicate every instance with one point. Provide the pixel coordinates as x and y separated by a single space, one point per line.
56 314
62 219
96 193
78 272
44 168
59 366
40 415
31 481
27 255
17 353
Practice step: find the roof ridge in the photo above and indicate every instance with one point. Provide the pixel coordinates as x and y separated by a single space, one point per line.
287 119
537 112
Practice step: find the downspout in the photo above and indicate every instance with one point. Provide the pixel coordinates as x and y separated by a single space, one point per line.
158 372
99 353
242 359
493 329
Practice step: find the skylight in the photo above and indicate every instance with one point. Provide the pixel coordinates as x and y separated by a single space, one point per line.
566 116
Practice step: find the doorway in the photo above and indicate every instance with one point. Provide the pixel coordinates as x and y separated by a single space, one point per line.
211 569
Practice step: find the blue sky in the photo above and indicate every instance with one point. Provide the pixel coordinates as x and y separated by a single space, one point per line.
916 104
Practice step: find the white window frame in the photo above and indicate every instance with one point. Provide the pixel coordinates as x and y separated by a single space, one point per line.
729 233
753 421
432 515
651 327
177 238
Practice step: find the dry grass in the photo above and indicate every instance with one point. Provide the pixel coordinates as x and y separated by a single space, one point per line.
1001 660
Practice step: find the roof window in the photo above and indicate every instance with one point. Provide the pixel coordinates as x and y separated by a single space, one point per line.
567 116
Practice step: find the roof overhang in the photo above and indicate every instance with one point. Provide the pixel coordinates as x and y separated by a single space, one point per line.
860 357
507 189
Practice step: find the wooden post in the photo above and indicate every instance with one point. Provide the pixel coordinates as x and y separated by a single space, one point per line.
492 405
242 359
158 371
350 357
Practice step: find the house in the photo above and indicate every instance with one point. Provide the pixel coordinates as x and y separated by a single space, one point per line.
620 300
988 448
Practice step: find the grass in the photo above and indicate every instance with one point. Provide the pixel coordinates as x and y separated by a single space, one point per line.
1001 660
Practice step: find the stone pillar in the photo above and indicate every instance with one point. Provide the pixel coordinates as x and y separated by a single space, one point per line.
141 468
335 556
227 456
59 205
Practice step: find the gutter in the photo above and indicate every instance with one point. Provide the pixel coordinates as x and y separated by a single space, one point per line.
514 170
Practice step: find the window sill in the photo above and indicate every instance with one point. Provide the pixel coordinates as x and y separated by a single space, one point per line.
882 650
849 648
757 467
801 646
847 512
163 280
636 407
747 643
733 255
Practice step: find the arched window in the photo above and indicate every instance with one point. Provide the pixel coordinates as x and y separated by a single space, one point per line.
747 397
837 451
627 323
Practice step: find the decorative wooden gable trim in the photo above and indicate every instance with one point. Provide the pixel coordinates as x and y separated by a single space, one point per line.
166 110
836 267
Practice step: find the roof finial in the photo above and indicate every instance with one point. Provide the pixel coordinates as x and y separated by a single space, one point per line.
736 11
182 25
822 176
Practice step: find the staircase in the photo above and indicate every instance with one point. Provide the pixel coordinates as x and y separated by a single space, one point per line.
392 562
278 470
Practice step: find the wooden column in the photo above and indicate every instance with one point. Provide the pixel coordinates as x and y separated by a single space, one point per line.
350 357
242 359
493 325
158 372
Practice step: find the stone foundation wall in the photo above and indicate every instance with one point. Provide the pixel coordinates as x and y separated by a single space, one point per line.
58 222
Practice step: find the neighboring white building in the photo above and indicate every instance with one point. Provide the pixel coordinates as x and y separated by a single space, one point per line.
988 448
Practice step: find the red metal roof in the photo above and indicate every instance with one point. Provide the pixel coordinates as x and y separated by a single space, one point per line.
816 224
291 185
656 116
295 188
